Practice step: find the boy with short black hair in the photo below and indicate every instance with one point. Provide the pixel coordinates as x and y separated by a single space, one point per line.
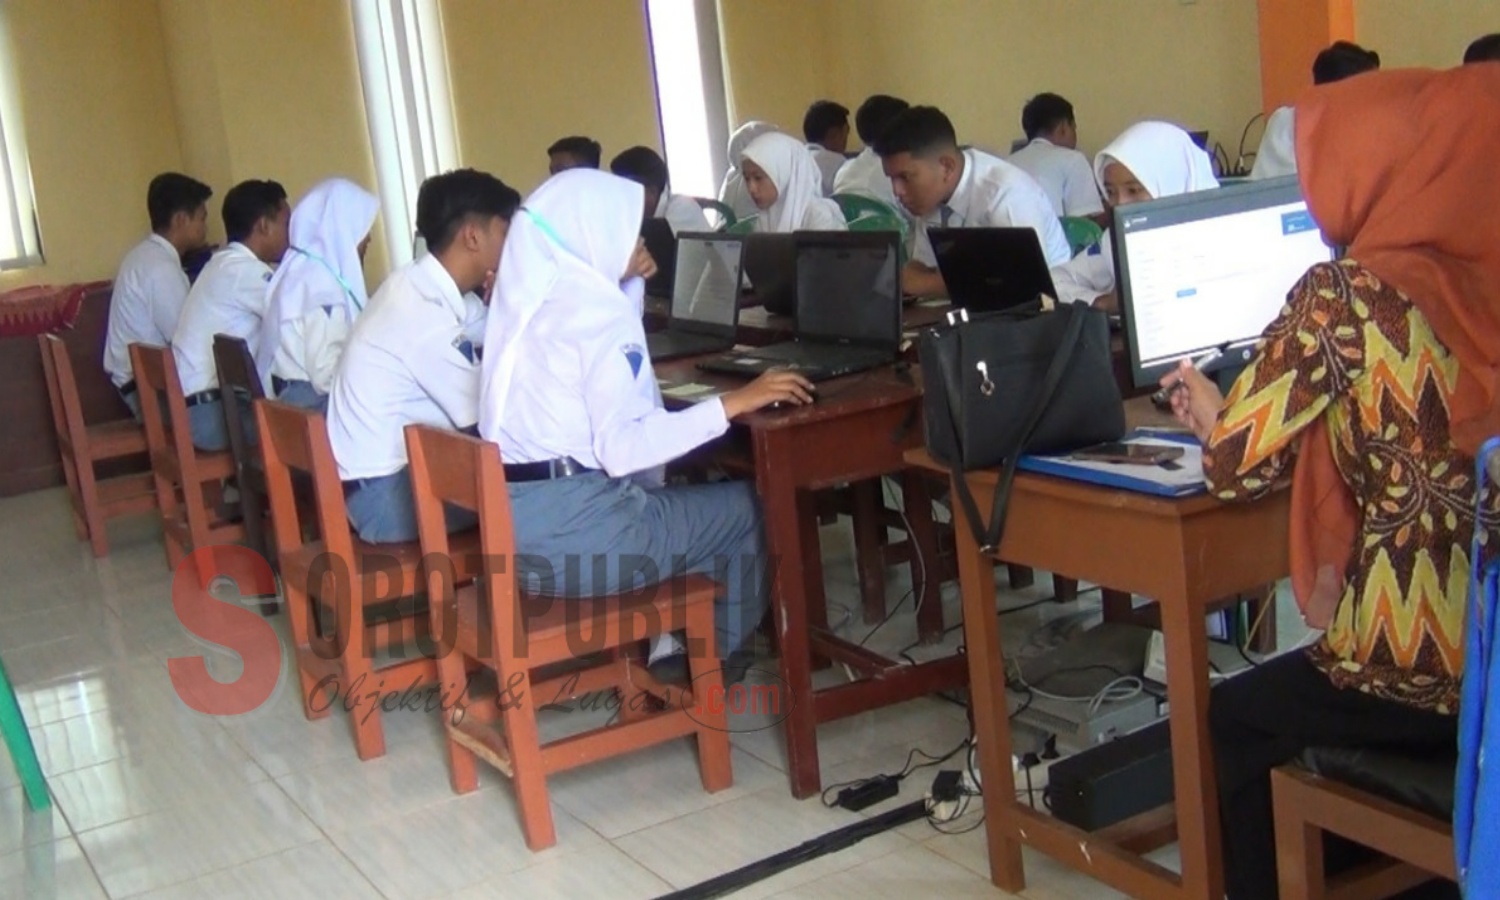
1277 155
575 152
826 128
646 168
1051 157
864 176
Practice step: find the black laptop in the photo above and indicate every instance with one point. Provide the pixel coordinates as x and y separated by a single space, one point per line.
990 269
771 270
848 309
705 297
661 243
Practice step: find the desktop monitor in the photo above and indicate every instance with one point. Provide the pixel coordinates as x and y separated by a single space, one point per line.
1209 270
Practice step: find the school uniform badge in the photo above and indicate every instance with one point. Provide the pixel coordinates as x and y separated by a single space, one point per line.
635 354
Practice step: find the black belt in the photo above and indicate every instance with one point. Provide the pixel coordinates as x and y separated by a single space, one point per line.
546 470
198 399
127 388
278 384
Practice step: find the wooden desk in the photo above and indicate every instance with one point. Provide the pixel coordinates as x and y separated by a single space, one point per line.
860 428
1181 553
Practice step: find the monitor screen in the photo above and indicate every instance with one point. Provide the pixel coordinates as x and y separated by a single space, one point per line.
849 287
707 281
1208 270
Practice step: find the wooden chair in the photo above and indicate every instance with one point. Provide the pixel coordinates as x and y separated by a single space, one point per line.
493 625
82 446
240 386
188 480
1398 805
350 603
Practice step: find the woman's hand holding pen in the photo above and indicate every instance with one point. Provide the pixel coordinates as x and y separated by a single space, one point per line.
1196 400
777 386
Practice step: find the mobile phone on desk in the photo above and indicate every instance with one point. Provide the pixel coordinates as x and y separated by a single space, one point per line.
1125 454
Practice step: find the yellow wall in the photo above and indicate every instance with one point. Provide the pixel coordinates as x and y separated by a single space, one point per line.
525 73
1118 62
1430 33
99 125
270 89
779 58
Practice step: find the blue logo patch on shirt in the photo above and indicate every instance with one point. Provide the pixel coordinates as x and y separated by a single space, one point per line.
1094 250
635 355
466 347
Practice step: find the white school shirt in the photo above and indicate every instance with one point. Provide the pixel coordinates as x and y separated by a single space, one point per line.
1064 174
864 176
1277 155
149 291
406 362
682 213
310 347
229 297
992 193
829 164
1087 276
592 396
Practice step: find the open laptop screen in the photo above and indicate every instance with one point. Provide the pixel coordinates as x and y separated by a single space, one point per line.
849 287
707 281
1209 269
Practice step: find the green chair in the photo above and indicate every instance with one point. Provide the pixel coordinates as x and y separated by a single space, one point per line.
18 742
725 213
855 207
1082 233
743 226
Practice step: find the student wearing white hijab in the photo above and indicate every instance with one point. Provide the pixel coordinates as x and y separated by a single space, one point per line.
569 394
732 191
783 180
1148 161
317 292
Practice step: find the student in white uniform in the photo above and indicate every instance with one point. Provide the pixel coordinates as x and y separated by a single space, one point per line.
943 186
646 168
574 152
826 127
1484 49
1051 157
317 293
571 398
151 286
229 297
732 191
408 361
1148 161
1277 155
864 175
783 181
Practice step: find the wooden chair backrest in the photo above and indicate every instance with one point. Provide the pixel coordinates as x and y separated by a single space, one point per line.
293 440
166 430
62 391
240 385
452 468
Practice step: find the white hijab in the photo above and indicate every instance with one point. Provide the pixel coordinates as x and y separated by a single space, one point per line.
1162 157
732 189
569 244
323 261
799 181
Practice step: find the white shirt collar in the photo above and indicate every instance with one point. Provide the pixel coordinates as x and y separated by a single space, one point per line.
430 274
1040 140
959 202
163 242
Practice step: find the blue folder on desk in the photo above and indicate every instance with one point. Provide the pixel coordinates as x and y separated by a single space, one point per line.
1183 479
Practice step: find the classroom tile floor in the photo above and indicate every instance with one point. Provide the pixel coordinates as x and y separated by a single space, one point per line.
153 800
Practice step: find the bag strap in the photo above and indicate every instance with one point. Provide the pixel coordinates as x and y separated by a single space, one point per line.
988 537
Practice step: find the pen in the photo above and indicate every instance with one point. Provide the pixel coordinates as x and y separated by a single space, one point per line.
1202 362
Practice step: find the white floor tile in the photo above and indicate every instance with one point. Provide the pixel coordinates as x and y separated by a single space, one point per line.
21 826
55 870
311 872
912 872
602 871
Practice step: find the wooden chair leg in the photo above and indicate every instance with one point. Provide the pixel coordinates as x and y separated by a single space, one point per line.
1064 590
530 779
714 767
75 498
925 562
1119 606
299 610
1021 576
868 559
1299 845
453 681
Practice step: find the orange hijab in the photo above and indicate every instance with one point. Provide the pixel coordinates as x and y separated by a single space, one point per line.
1403 168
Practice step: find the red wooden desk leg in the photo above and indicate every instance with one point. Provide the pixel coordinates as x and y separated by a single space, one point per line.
988 702
916 500
868 557
789 600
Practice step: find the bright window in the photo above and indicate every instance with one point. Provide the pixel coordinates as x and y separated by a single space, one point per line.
690 92
20 245
404 70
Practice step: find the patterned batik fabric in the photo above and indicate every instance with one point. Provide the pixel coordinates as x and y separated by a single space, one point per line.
1354 349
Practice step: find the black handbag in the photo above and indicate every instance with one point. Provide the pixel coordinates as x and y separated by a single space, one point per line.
999 385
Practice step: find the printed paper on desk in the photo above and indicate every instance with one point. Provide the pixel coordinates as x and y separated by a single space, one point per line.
1182 476
691 391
